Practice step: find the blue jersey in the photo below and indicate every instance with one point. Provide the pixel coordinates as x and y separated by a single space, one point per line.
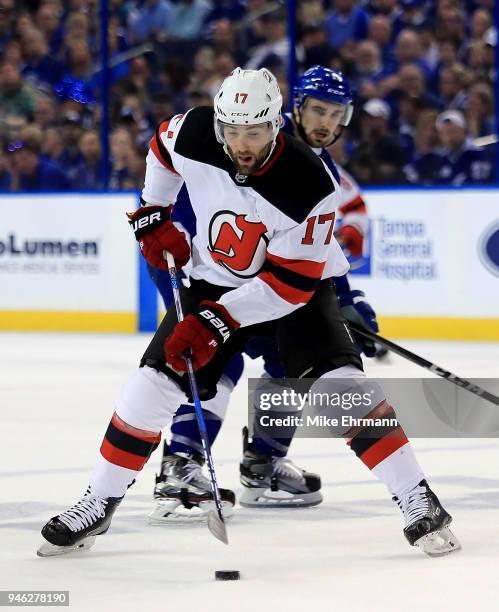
183 213
469 165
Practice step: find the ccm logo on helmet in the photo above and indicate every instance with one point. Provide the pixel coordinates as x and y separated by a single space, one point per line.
145 221
239 114
217 323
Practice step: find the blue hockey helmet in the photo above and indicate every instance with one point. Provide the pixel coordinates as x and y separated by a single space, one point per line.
325 84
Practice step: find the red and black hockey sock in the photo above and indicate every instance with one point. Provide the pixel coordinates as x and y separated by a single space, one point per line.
374 443
127 446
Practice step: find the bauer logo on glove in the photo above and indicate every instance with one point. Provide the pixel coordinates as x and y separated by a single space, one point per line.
217 323
200 334
155 233
145 221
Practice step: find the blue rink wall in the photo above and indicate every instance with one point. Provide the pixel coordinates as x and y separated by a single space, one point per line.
430 267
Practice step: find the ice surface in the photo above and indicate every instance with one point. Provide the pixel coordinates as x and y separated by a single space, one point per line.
56 396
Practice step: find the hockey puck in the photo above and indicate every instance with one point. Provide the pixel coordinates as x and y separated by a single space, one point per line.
227 575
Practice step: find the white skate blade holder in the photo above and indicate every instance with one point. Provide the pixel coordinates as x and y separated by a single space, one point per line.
172 512
51 550
264 497
439 543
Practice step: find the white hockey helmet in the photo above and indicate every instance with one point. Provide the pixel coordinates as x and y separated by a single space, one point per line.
248 97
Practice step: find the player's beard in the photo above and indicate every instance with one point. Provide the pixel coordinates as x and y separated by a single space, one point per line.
251 166
319 138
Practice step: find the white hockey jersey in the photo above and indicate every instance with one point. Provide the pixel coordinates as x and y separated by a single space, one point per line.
352 209
268 235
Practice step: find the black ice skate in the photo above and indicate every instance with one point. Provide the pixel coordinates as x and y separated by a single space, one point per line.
275 481
77 527
183 493
426 522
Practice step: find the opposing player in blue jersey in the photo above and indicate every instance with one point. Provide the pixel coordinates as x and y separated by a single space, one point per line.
322 106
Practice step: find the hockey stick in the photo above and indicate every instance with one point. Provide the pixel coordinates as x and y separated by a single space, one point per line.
216 522
424 363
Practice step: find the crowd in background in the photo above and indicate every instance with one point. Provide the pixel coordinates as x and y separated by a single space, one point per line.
422 72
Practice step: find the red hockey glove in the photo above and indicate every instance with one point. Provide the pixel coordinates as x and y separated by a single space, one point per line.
200 334
350 237
156 233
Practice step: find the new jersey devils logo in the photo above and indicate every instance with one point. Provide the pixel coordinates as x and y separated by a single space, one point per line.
237 244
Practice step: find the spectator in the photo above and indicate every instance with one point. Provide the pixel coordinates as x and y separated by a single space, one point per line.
462 163
12 53
88 176
24 23
45 113
412 83
160 107
187 18
53 144
477 60
71 157
378 158
135 170
29 170
431 56
6 22
311 13
408 49
16 98
380 32
451 23
479 110
140 80
348 21
11 126
452 86
226 9
316 48
251 27
409 108
204 68
448 51
425 163
48 20
80 61
368 68
195 97
276 45
120 145
412 15
387 8
148 20
39 68
223 40
132 118
481 21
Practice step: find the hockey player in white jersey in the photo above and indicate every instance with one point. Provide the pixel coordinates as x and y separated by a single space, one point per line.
322 105
265 207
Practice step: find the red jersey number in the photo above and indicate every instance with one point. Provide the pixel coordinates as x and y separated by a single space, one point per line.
320 220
